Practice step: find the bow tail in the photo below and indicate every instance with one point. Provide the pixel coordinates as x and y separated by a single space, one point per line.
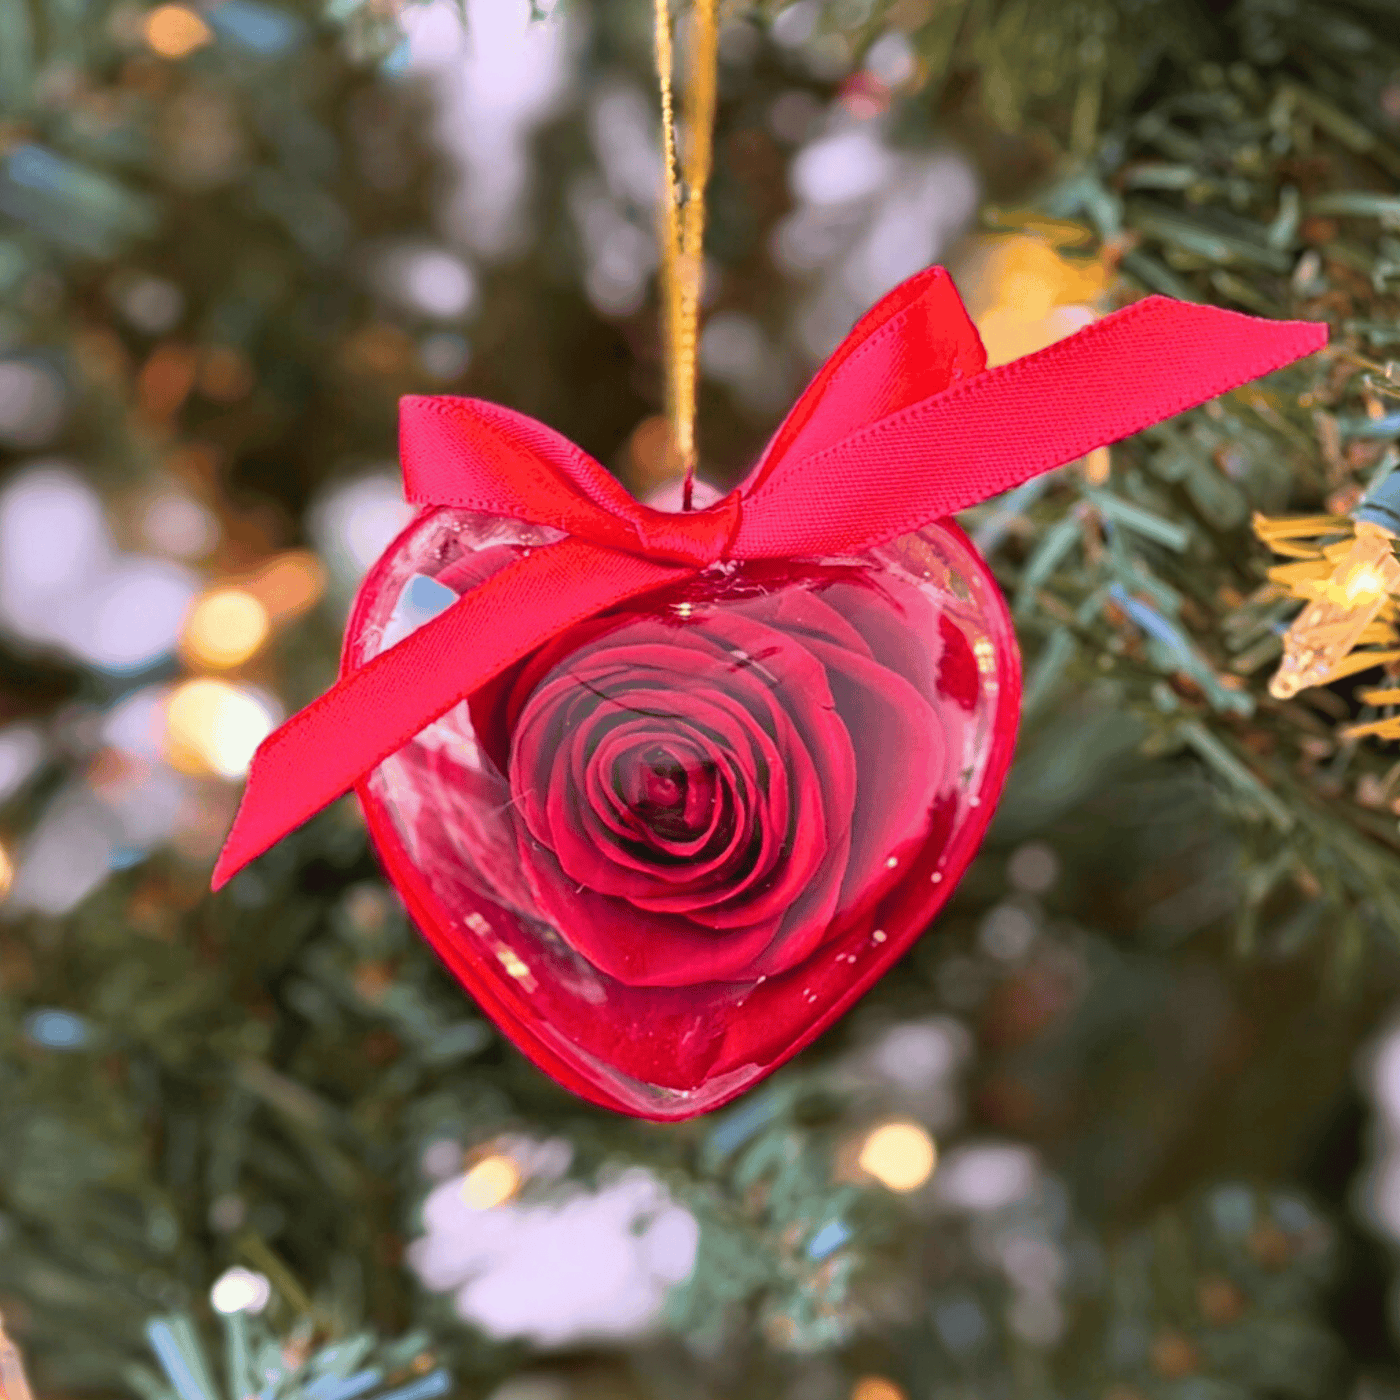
993 431
324 750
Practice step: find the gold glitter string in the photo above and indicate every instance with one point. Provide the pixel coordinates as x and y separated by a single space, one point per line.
683 216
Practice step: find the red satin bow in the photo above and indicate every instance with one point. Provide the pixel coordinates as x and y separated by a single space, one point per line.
902 426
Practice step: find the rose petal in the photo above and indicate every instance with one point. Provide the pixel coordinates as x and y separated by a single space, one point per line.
623 752
633 945
561 829
597 849
796 702
723 715
902 762
804 612
742 755
898 622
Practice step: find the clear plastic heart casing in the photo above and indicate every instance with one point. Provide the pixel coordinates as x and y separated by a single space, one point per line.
671 846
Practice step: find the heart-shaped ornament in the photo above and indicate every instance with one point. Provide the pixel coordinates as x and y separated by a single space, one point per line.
667 791
675 843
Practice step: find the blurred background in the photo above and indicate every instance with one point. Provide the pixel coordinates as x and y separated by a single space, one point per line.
1125 1124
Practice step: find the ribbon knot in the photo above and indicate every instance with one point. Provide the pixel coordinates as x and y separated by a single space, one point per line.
903 426
696 538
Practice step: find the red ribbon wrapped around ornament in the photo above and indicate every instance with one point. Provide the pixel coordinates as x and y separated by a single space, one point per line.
901 428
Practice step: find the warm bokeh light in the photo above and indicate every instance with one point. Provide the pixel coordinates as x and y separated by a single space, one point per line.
178 525
214 727
240 1290
226 375
288 584
876 1388
901 1156
1026 294
492 1182
224 628
1098 465
7 872
652 455
173 31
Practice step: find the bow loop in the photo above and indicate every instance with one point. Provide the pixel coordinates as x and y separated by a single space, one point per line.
915 342
481 456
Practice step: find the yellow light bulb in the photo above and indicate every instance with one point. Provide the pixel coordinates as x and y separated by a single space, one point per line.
1340 609
225 628
174 31
492 1182
901 1156
1363 585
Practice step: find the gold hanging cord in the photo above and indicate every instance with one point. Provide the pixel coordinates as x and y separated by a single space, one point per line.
683 216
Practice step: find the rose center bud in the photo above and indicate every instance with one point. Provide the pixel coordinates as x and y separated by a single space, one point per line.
671 794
